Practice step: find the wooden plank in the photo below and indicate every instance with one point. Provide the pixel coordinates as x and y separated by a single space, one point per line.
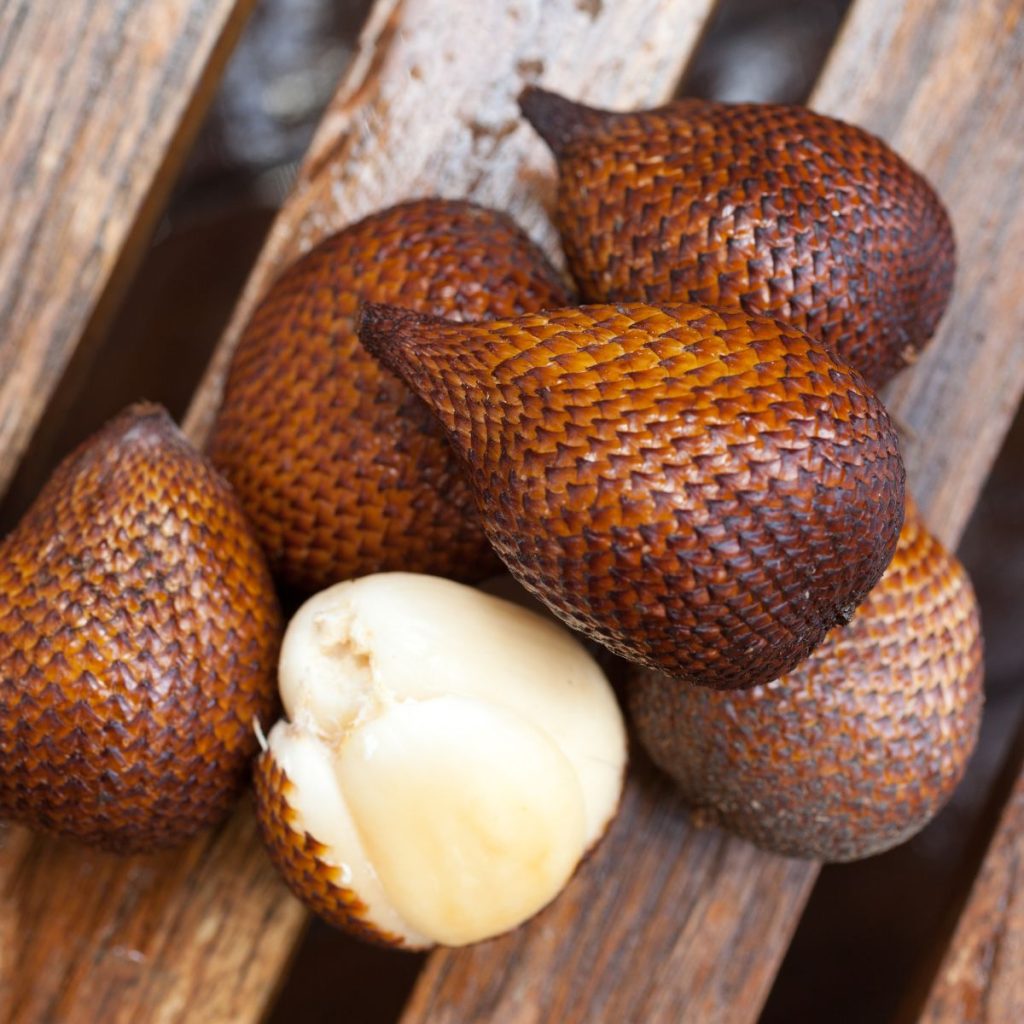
981 980
193 936
99 100
206 933
941 81
965 124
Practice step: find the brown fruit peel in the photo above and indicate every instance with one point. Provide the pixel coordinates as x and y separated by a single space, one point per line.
859 747
670 480
138 634
341 469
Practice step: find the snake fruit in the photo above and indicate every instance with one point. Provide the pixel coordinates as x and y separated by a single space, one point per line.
138 636
341 470
706 492
775 209
860 746
447 760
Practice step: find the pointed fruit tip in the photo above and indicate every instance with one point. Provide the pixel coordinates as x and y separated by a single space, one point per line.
141 421
387 331
557 120
382 327
372 316
410 345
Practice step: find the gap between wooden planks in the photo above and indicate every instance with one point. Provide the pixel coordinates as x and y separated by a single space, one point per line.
981 980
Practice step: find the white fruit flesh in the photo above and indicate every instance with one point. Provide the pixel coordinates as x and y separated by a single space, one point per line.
456 754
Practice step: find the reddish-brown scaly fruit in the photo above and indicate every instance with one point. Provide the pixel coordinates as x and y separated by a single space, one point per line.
341 469
859 747
706 492
138 637
773 208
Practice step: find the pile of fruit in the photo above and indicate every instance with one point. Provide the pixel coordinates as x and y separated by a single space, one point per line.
684 460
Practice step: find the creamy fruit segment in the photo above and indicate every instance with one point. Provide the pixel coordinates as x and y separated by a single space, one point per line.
472 816
455 754
321 810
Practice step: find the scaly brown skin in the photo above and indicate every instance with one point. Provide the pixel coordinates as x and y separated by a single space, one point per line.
776 209
341 469
139 633
858 748
299 858
702 491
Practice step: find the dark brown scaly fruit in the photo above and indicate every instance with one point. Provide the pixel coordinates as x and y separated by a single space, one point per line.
859 747
702 491
138 639
776 209
341 469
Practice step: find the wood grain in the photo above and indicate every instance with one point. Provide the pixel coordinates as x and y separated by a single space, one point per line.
965 125
197 935
429 108
98 100
941 81
664 923
981 980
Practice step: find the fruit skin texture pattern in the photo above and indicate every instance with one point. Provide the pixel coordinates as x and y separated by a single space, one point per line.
341 469
774 208
705 492
859 747
138 637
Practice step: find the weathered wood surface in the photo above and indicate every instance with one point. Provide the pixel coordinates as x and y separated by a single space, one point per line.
942 81
966 125
193 936
981 980
98 102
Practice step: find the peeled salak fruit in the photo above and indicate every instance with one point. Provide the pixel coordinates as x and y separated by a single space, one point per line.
448 759
138 636
776 209
858 748
342 470
704 492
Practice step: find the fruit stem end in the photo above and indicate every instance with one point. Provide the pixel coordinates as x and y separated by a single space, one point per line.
557 120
